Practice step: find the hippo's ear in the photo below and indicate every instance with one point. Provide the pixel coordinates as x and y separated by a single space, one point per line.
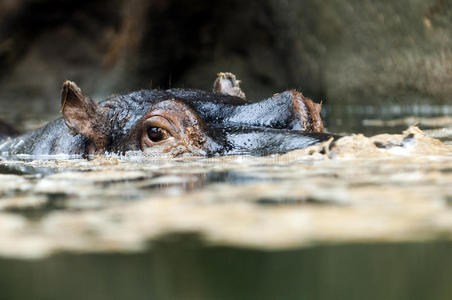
228 84
316 119
84 116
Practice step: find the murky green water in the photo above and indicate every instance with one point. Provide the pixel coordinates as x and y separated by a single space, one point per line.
181 268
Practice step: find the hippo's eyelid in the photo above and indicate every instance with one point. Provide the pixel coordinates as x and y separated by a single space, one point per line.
160 122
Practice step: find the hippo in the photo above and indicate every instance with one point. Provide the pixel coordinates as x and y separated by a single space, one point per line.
176 122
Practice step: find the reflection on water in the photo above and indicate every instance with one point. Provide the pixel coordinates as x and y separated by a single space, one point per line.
181 268
232 177
24 170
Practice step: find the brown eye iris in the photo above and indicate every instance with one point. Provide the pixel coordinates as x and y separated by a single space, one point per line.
157 134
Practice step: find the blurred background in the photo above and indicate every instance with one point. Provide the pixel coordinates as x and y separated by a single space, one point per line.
382 57
368 62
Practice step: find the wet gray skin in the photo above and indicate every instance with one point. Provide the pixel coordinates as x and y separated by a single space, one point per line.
175 122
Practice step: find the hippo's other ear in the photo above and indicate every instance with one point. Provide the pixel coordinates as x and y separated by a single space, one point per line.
308 112
84 116
315 109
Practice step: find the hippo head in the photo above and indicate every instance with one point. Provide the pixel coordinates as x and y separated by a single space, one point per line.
179 121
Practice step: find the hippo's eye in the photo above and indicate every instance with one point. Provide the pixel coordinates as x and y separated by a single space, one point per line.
156 131
157 134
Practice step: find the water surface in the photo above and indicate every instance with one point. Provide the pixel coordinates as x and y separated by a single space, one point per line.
370 219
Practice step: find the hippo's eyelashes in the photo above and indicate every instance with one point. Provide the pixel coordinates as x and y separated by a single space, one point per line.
156 134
